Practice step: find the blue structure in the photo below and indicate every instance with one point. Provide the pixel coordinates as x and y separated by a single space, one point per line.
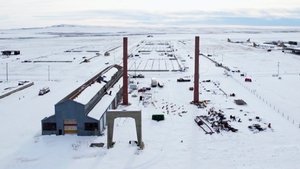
86 117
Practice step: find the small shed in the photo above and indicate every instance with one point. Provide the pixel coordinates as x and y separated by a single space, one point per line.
10 52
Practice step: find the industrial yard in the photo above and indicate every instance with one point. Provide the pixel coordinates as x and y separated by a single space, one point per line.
247 115
155 56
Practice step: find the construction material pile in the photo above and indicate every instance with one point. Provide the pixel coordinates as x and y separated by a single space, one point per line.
217 121
170 108
255 128
201 104
259 126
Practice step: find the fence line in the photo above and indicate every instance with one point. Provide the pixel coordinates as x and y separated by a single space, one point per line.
284 115
251 91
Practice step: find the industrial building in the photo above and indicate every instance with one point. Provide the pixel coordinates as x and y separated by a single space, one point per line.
83 111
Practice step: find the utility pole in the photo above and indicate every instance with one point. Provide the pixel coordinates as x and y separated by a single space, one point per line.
114 57
222 58
48 72
7 72
135 67
278 65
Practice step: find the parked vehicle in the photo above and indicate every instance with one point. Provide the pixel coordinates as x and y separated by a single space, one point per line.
133 86
161 85
44 91
183 80
247 79
142 90
154 82
138 76
20 83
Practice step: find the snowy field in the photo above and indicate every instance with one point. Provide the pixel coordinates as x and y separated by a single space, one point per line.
154 56
55 57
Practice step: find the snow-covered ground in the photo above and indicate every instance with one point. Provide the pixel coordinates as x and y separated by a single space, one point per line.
177 142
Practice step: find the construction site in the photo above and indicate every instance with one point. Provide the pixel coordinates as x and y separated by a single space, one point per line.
128 100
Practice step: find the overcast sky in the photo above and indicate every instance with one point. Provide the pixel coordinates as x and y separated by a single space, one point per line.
33 13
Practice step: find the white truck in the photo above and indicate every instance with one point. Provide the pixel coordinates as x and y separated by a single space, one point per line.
153 82
44 91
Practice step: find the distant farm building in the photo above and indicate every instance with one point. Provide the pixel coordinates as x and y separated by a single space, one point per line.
293 43
296 50
10 52
83 111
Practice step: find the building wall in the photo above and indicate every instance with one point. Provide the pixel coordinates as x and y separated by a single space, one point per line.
83 132
70 109
47 120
